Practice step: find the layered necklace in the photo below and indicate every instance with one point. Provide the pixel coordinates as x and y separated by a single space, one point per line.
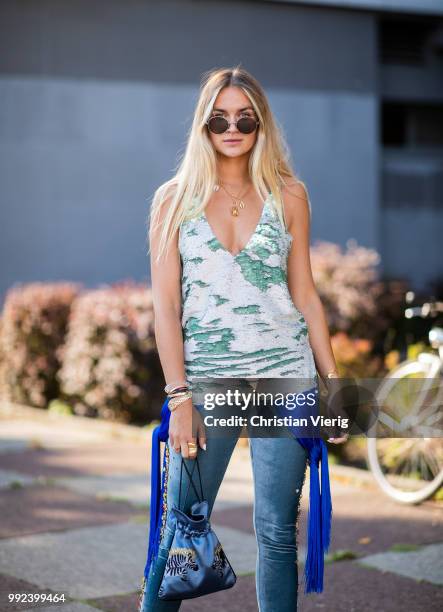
237 201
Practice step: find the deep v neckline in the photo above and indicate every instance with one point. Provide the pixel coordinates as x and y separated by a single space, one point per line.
251 237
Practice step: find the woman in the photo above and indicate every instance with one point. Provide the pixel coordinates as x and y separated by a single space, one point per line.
234 298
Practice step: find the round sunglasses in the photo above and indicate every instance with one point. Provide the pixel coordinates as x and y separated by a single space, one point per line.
219 125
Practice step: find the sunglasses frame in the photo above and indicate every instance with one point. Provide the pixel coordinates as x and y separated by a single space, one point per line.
257 122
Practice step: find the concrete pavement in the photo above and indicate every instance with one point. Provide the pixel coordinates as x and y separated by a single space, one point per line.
74 502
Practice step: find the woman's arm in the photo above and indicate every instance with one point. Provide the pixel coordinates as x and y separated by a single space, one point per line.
166 291
301 283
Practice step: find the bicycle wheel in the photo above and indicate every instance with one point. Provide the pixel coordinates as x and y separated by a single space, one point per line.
410 469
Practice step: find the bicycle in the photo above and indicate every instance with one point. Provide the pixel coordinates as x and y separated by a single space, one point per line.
410 469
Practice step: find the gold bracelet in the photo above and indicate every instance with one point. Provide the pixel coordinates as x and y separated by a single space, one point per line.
176 401
178 393
171 386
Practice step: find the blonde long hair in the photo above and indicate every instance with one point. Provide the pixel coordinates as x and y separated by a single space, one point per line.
188 192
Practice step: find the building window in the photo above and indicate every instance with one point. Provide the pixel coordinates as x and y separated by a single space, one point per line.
406 41
412 125
412 155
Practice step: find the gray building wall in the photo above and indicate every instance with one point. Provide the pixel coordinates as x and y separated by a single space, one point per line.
96 97
430 7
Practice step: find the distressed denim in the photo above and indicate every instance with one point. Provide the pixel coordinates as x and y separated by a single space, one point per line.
279 469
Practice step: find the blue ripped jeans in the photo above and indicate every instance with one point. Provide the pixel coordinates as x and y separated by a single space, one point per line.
279 469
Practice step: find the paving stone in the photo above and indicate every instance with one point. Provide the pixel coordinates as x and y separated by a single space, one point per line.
83 563
102 458
423 564
240 598
359 513
117 471
9 477
10 584
49 433
100 561
118 603
386 524
136 489
240 517
351 587
37 509
8 446
95 563
348 588
132 488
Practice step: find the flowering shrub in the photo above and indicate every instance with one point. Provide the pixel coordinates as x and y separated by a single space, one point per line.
354 357
347 283
110 366
33 327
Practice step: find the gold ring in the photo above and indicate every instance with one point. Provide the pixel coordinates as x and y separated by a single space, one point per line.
192 444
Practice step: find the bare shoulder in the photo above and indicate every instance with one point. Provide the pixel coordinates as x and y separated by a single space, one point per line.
161 201
296 202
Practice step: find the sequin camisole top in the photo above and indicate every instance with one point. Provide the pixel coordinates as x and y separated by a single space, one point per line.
238 317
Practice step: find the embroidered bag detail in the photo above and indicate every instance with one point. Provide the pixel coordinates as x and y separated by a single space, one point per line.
196 564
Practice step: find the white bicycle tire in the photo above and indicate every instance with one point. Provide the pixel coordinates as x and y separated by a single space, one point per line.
405 368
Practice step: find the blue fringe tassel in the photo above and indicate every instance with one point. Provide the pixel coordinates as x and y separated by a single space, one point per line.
320 504
160 434
319 512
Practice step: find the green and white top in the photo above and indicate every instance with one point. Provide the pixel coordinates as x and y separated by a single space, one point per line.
238 317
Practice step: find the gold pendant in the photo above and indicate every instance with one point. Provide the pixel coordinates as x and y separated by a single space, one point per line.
234 211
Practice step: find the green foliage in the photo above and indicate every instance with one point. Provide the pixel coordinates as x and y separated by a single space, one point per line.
399 547
340 555
58 407
415 349
15 484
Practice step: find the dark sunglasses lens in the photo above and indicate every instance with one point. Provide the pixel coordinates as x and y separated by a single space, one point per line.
218 125
246 125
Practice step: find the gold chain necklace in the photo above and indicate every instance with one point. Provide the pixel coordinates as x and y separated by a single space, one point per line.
237 201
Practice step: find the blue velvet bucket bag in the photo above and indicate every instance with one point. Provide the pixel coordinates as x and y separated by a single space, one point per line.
196 564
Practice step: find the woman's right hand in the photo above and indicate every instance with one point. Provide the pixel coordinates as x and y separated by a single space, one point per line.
181 423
